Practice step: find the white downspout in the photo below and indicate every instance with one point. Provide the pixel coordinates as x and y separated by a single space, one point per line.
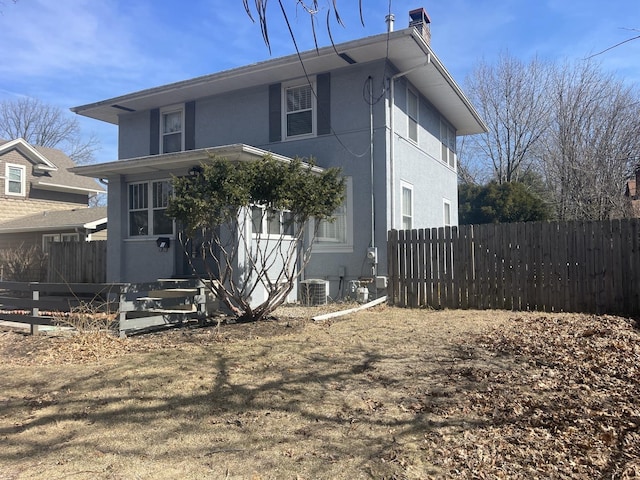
392 101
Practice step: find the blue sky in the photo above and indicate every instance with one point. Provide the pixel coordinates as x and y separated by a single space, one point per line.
73 52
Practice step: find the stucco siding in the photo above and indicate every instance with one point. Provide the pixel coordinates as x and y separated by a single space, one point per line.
134 135
237 117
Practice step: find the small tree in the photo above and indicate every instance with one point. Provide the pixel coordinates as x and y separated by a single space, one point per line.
249 220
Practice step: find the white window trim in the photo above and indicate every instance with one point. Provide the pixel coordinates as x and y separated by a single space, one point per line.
333 247
23 180
446 203
314 108
406 185
163 112
150 209
411 91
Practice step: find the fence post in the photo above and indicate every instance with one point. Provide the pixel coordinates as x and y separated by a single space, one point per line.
35 311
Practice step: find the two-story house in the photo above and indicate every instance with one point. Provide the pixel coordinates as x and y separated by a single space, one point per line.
383 108
42 201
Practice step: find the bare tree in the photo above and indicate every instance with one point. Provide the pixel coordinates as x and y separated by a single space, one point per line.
594 136
312 8
46 125
511 97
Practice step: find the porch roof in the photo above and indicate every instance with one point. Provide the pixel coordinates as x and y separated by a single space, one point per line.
179 162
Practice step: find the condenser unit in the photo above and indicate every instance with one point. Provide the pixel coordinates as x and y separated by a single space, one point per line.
314 292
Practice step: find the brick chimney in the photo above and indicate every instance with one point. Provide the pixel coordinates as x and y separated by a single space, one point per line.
419 19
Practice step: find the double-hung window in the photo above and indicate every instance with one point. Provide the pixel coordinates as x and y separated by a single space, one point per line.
15 180
336 233
406 206
271 222
412 115
448 139
172 129
447 213
148 202
299 110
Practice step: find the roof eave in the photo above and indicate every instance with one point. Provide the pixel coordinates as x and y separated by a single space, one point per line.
378 47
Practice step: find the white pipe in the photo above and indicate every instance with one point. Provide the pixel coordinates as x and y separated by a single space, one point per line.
341 313
392 101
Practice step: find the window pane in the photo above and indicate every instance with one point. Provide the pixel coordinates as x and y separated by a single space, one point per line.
273 223
256 219
413 130
412 112
287 224
447 214
407 208
161 194
161 223
406 201
15 180
172 122
138 196
334 230
298 98
172 143
299 123
138 223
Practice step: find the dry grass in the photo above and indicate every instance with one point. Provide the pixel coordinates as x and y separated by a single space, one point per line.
384 393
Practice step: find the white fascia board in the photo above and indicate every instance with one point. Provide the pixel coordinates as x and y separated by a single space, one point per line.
26 149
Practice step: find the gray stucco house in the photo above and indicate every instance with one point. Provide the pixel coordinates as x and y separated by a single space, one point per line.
383 108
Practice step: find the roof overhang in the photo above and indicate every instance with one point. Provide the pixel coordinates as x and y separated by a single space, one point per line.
66 188
179 161
43 223
405 49
39 161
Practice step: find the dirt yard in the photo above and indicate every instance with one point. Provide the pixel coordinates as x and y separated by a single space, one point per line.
381 394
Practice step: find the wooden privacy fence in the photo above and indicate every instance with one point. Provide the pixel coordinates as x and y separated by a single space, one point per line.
77 262
546 266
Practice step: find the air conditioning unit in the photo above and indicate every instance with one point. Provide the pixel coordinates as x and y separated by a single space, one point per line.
314 292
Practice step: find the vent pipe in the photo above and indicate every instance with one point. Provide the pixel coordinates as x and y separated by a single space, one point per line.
389 19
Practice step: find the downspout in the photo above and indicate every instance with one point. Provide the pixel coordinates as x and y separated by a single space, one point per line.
392 101
374 262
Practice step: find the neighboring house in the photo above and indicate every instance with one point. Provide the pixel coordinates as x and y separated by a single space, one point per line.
383 108
76 225
631 192
41 200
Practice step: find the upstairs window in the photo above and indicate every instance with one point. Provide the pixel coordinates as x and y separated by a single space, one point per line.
15 180
172 129
448 139
299 110
148 203
412 115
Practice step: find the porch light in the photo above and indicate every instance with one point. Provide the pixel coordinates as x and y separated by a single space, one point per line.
195 171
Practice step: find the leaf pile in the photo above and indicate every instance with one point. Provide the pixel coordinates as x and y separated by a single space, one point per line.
570 409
